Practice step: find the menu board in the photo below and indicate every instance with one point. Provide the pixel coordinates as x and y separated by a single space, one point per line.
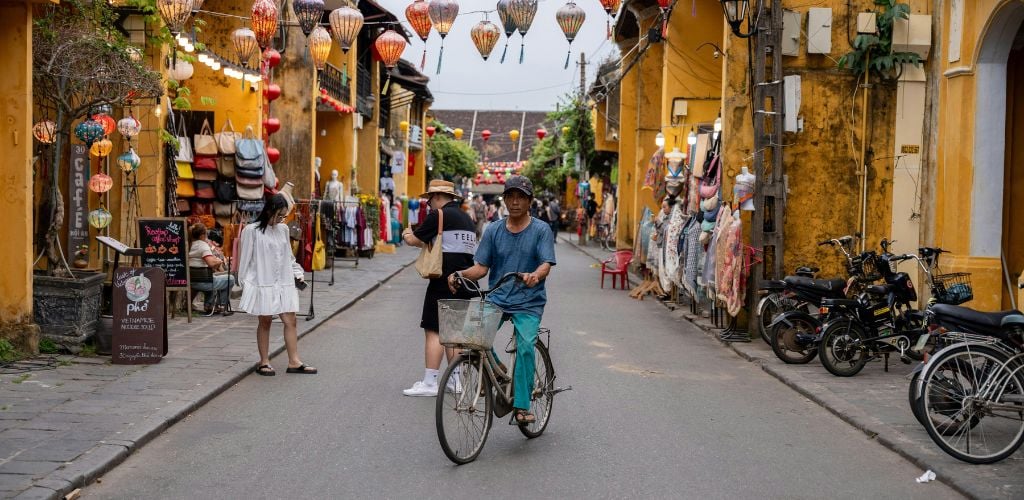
140 324
164 245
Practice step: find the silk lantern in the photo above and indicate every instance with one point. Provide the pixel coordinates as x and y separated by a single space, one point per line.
611 7
458 134
273 58
271 125
108 123
89 131
129 127
485 36
180 70
419 18
100 183
345 25
522 12
507 23
319 42
263 21
486 134
175 13
308 12
430 132
541 133
272 92
246 46
100 218
570 18
273 154
45 131
514 135
390 46
442 14
565 130
129 161
101 148
403 126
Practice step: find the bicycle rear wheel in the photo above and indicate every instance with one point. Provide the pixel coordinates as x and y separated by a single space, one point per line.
973 407
463 412
541 399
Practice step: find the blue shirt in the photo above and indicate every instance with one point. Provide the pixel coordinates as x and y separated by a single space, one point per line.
503 251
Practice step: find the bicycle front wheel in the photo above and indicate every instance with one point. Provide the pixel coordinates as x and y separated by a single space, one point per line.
541 399
463 409
973 404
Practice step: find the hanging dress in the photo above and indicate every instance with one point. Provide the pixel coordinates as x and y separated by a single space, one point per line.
673 232
692 256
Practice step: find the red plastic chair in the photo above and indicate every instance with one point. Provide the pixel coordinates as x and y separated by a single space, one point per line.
618 266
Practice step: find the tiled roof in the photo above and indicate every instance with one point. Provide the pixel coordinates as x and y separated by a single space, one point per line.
500 146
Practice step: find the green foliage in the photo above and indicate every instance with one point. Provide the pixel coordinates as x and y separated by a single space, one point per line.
874 52
451 158
46 346
88 350
545 167
8 352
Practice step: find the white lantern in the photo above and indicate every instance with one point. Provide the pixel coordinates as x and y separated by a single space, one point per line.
180 70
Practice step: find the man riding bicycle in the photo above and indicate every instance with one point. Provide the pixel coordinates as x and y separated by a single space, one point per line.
524 245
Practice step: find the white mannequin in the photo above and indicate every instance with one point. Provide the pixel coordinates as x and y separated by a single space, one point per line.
333 192
744 189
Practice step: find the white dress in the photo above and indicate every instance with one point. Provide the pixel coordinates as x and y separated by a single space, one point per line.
267 271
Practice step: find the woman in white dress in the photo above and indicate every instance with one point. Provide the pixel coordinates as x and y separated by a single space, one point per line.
268 273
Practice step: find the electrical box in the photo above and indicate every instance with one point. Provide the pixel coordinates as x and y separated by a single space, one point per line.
912 35
819 30
791 89
792 24
678 108
867 23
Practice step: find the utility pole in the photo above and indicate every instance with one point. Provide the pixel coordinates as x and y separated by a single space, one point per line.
580 160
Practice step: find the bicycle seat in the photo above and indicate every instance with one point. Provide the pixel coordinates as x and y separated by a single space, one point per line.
983 320
835 285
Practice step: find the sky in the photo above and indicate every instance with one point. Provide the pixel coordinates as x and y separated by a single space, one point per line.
467 81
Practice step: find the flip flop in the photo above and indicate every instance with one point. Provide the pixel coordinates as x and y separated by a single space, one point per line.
302 369
524 417
265 370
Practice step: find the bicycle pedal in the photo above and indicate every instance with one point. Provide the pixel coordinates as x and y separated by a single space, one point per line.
906 360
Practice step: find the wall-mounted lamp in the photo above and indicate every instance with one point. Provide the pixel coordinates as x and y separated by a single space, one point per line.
737 11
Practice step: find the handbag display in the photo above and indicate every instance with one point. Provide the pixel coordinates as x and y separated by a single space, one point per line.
251 206
204 190
249 152
202 208
185 188
184 145
184 170
225 191
251 173
250 193
222 209
319 249
203 143
205 162
226 140
249 181
181 204
428 263
269 177
713 178
226 165
205 175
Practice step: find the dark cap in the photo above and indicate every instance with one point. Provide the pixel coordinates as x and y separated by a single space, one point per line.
521 183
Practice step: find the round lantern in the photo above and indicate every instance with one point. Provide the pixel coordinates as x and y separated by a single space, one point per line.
175 13
100 218
514 135
135 54
419 18
522 13
458 134
403 126
128 161
486 134
570 18
390 46
610 6
45 131
108 123
263 19
246 46
345 25
431 131
272 57
319 46
442 14
89 131
308 12
485 36
101 148
507 23
272 91
271 125
180 70
129 127
100 183
273 154
565 130
541 133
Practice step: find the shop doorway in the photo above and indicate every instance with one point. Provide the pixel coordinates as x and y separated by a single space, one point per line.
1013 181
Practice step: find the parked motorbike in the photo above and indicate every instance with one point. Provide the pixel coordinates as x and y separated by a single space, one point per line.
773 300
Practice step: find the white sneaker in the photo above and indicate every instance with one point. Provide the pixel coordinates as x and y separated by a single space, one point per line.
454 385
421 389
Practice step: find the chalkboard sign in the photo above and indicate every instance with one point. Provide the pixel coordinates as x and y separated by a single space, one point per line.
164 244
140 324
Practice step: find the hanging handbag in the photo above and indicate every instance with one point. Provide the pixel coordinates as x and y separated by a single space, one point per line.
249 152
203 142
181 204
204 190
202 207
222 209
185 188
205 175
250 206
184 170
225 191
319 249
269 177
205 162
249 181
184 144
710 183
226 140
428 263
226 165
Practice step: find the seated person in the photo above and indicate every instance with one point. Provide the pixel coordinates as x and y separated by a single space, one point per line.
205 253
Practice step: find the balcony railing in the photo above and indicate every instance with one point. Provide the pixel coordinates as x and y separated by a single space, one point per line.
331 79
364 94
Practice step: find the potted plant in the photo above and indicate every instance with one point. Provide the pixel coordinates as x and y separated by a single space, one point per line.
81 257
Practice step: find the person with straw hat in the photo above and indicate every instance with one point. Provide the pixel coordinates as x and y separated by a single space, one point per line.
458 244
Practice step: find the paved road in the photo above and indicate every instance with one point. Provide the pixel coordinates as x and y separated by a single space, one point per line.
658 411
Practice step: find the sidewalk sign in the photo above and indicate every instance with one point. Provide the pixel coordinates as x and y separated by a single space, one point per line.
164 243
140 321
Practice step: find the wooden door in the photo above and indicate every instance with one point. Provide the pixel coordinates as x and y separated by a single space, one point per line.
1013 190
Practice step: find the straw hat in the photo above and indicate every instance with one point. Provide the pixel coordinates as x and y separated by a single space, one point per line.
440 186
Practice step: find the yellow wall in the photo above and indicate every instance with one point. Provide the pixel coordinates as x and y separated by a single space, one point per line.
691 74
629 180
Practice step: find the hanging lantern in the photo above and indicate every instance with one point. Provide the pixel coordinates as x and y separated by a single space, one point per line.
108 123
541 133
128 161
272 57
419 18
89 131
390 46
565 130
570 18
100 218
485 36
101 148
508 170
507 23
45 131
514 135
272 92
319 46
522 12
100 183
271 125
442 14
264 17
611 7
308 12
175 13
245 44
486 134
458 134
345 25
180 70
129 127
273 154
134 53
403 126
430 132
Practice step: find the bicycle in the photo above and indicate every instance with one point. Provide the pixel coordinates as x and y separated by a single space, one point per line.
477 386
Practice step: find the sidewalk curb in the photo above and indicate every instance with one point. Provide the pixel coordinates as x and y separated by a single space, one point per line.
873 428
110 453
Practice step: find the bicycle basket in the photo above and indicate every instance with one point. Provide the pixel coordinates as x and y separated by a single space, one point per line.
952 288
470 324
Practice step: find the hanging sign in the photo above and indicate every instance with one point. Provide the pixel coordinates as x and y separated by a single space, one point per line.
78 198
140 324
164 245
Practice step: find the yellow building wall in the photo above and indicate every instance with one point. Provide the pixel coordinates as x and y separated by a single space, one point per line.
417 182
368 147
336 139
691 74
629 180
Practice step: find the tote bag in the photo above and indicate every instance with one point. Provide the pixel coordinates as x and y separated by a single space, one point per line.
319 249
203 143
428 264
226 140
249 152
184 144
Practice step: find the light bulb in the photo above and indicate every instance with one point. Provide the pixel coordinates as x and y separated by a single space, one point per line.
203 58
158 110
227 72
215 66
659 140
718 124
190 48
691 139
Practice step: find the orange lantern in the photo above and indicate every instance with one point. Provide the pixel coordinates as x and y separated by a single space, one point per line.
458 134
100 183
264 19
485 36
101 148
514 135
319 42
108 123
390 46
610 7
45 131
418 16
244 41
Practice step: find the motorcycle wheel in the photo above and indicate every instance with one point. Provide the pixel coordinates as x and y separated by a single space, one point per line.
787 345
842 353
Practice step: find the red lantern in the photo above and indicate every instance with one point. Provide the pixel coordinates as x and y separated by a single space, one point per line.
272 92
272 57
273 155
541 133
271 125
486 134
419 19
109 125
430 132
390 46
100 183
264 19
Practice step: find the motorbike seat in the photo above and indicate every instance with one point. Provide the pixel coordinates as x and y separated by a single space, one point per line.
828 287
772 285
987 320
878 289
807 270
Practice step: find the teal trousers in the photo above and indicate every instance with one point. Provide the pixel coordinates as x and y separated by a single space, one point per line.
526 326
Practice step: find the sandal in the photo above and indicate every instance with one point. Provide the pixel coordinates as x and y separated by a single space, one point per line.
265 370
524 417
302 369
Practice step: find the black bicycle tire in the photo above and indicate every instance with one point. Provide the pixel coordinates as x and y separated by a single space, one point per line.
914 399
764 324
824 349
779 352
439 409
542 355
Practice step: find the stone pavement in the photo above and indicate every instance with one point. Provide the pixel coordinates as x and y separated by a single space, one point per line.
64 425
874 402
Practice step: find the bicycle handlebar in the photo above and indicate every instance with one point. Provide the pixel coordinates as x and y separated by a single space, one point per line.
473 287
